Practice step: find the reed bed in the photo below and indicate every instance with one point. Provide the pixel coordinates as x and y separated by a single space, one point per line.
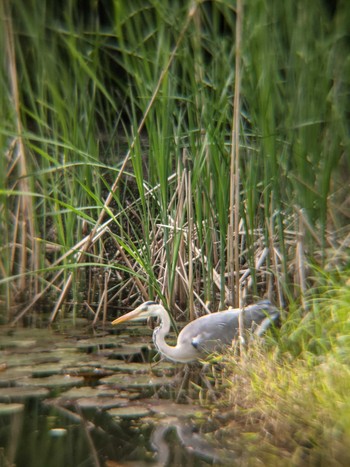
196 153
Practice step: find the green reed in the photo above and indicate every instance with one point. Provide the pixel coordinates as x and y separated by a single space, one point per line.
154 82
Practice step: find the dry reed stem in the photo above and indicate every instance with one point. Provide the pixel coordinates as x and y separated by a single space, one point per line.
103 300
300 260
233 229
235 141
179 289
190 245
73 250
52 282
139 284
25 212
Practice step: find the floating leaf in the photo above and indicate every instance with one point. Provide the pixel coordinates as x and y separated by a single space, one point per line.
11 342
126 367
90 374
9 409
58 432
130 412
21 393
29 358
106 341
76 393
168 408
11 375
46 369
55 381
100 403
137 381
126 350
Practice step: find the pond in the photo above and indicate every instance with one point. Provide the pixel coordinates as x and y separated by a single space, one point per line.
73 398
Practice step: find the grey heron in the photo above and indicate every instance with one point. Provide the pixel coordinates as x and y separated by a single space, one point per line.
206 334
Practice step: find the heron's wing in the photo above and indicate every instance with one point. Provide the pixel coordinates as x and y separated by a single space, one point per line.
207 343
259 317
210 332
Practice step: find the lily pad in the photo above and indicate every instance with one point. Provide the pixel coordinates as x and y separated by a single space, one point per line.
127 350
66 344
11 342
70 357
168 408
29 358
164 367
11 375
90 374
91 398
133 330
46 369
55 381
13 394
100 403
58 432
9 409
127 367
130 412
106 341
76 393
27 337
137 381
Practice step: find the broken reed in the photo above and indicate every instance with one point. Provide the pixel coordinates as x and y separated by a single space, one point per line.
155 84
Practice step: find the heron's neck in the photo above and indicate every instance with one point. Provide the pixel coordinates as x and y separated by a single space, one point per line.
159 335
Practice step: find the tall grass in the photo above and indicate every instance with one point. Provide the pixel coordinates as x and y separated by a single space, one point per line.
294 396
116 137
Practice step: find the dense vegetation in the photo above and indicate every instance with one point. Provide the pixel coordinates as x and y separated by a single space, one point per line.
184 151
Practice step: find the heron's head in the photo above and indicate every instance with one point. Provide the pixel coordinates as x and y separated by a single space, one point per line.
142 312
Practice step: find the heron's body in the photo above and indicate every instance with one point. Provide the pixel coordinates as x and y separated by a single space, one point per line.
206 334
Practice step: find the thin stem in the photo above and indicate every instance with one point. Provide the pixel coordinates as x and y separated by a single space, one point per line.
233 230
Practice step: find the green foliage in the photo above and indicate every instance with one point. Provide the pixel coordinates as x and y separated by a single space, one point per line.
142 92
325 328
298 390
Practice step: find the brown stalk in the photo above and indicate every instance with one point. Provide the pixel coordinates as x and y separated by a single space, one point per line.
25 216
276 258
233 229
139 284
100 231
183 276
259 261
300 260
179 290
189 245
103 299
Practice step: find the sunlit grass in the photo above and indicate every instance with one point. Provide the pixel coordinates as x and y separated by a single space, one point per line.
296 410
292 390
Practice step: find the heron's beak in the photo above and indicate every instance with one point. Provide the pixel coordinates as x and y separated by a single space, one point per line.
128 317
